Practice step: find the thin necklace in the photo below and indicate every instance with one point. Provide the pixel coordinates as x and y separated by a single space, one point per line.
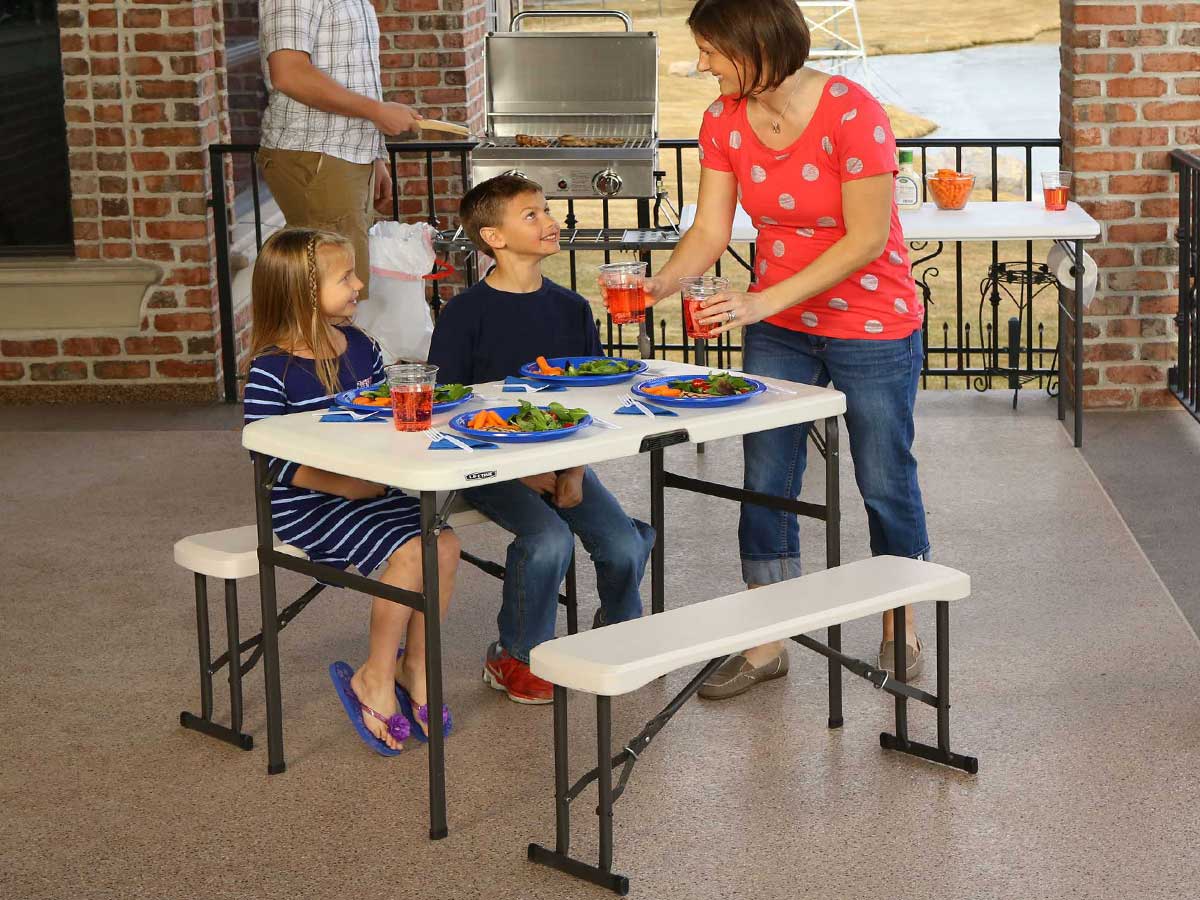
777 123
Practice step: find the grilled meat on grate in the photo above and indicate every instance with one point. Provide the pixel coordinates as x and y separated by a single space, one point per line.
568 140
571 140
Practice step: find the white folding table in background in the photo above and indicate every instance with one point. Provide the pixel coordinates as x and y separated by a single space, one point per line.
1023 221
993 221
379 453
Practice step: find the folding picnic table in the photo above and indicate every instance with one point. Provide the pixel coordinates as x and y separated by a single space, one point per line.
379 453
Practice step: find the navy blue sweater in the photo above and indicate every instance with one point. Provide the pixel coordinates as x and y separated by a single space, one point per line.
485 335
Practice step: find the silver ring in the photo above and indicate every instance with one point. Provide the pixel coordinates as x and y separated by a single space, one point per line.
730 316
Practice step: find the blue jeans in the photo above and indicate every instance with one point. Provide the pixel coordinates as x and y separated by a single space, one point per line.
540 553
879 379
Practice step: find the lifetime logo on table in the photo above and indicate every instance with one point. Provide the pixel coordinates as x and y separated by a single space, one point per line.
480 476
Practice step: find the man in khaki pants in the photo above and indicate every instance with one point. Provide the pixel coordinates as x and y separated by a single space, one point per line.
322 152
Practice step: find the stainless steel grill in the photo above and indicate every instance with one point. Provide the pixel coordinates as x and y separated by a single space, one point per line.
555 143
576 112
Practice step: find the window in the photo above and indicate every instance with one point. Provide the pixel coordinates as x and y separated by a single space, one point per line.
35 195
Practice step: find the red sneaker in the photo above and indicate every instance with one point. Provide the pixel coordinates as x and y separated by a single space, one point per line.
507 673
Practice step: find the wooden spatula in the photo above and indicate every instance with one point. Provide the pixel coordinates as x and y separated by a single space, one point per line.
444 127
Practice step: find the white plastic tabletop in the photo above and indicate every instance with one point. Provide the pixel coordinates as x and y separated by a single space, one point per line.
379 453
979 221
1000 221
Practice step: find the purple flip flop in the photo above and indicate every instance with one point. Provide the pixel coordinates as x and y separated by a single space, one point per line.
407 710
398 725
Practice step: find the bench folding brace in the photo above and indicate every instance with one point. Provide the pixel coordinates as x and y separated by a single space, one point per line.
860 667
560 858
903 692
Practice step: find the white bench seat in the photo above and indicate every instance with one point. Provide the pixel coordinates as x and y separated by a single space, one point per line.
232 554
620 658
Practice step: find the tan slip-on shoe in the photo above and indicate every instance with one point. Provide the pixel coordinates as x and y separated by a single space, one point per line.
736 676
914 659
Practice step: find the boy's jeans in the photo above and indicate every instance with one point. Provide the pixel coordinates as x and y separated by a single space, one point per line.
879 379
540 553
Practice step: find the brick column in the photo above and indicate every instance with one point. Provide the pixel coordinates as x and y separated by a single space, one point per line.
431 57
143 88
1130 92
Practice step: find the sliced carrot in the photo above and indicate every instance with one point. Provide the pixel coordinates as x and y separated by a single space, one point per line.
545 368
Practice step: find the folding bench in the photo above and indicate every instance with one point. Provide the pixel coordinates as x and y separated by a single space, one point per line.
620 658
231 555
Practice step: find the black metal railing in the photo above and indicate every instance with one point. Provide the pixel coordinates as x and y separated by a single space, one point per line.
1184 376
966 343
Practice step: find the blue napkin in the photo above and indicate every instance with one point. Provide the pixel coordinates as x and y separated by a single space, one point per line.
471 442
512 381
384 416
634 411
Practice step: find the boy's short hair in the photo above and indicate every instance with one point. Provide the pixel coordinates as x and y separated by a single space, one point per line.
483 206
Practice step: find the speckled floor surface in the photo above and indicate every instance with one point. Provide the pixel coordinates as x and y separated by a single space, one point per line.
1074 683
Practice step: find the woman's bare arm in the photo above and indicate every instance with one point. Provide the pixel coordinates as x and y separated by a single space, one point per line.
867 210
708 237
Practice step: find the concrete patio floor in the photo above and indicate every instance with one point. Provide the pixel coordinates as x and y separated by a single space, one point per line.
1074 682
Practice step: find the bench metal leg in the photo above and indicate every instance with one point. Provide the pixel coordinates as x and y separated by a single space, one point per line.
900 671
562 805
602 774
942 752
202 637
235 658
559 857
603 751
204 723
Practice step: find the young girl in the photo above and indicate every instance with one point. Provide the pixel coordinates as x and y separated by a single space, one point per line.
303 351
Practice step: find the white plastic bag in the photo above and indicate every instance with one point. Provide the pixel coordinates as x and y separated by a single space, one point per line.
396 313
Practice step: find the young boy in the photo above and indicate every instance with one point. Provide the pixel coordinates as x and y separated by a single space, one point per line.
484 334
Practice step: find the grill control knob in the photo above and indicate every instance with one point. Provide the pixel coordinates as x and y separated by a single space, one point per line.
516 173
607 183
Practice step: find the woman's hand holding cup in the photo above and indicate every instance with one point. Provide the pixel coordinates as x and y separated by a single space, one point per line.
731 309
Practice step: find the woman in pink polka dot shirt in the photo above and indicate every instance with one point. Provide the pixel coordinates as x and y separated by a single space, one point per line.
811 158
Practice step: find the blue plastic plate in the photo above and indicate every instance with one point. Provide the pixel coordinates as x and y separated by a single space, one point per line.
459 424
347 400
695 402
530 370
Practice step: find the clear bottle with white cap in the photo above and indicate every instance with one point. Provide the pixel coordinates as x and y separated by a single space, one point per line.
907 188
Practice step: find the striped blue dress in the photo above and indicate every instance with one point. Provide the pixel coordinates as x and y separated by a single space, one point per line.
330 529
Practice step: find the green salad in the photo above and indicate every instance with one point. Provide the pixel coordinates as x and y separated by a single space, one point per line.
554 417
442 393
600 367
716 384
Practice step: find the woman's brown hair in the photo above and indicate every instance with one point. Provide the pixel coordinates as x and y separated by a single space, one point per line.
286 298
769 39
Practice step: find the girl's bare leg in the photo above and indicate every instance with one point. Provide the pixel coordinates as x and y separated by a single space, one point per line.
410 669
372 683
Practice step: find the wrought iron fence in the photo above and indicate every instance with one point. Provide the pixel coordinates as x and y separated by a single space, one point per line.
982 328
1184 376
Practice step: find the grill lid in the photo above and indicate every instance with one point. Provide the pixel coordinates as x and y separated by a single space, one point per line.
587 84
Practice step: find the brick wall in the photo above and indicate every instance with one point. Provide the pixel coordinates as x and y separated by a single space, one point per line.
431 57
143 84
1130 92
